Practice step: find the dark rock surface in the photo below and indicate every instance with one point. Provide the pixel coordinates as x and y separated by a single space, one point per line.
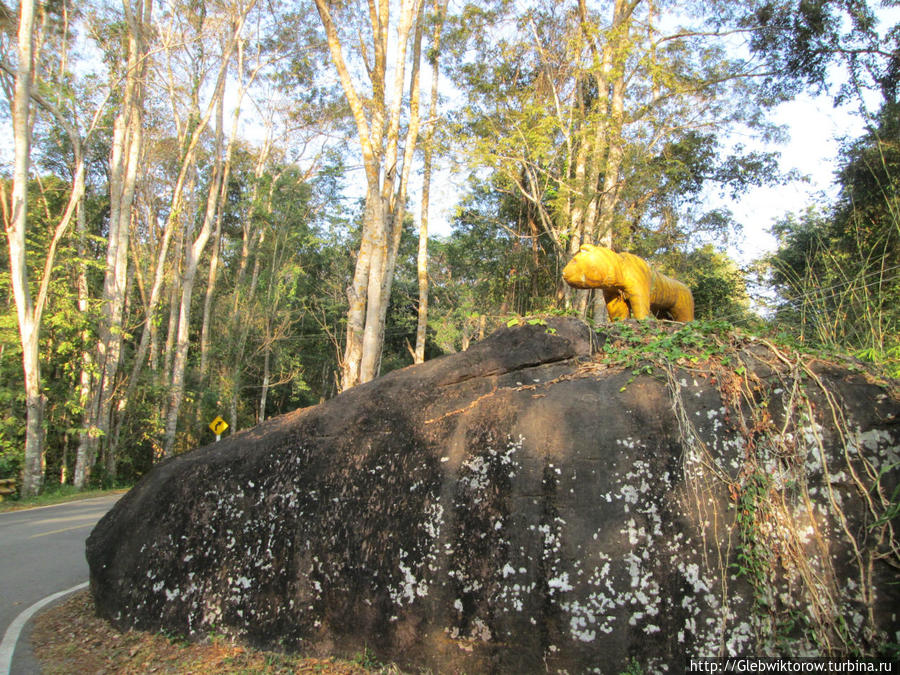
523 506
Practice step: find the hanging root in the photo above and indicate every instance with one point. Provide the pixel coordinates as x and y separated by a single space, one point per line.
809 515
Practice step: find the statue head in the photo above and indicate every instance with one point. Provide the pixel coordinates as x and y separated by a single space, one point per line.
592 267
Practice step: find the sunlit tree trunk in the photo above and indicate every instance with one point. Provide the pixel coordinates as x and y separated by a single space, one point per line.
125 157
194 249
267 357
607 151
440 7
29 310
192 252
87 354
211 279
217 235
396 201
251 240
29 322
378 130
174 291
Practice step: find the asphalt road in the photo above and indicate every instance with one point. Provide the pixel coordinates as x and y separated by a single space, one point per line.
42 553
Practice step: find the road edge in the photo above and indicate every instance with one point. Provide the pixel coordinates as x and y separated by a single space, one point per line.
11 637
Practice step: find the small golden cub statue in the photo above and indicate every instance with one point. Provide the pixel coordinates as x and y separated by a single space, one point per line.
629 285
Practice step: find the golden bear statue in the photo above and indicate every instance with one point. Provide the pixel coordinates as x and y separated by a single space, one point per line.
629 285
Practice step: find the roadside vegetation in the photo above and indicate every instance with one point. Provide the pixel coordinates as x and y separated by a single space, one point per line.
69 638
55 495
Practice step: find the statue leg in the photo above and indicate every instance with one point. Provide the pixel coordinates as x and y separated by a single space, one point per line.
683 309
615 305
640 306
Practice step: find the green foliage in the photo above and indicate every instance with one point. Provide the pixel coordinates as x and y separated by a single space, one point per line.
588 151
837 269
639 345
718 285
754 559
367 659
634 668
61 339
802 39
12 397
176 639
893 509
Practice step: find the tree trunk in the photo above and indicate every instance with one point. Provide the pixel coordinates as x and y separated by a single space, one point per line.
240 332
174 292
215 203
124 159
32 476
125 156
378 136
356 296
193 252
422 255
267 353
223 194
149 335
373 334
87 356
176 350
208 298
397 204
251 242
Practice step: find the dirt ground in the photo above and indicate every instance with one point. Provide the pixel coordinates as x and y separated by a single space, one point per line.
70 638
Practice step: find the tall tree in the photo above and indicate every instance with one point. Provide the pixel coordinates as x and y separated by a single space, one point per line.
27 313
124 160
837 269
577 116
195 245
439 9
29 309
386 160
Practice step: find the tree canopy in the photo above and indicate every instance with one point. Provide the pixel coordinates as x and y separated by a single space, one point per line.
221 208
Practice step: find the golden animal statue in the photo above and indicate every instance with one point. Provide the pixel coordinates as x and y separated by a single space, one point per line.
630 285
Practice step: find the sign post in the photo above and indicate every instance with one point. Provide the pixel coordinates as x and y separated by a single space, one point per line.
218 427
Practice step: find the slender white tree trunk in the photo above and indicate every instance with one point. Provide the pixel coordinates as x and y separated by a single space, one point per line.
265 380
356 295
193 251
33 474
250 242
378 124
422 254
125 157
208 298
214 255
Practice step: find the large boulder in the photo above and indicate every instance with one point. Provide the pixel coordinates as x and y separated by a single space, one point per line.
550 499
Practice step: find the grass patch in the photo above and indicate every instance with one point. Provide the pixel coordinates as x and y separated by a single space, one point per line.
57 495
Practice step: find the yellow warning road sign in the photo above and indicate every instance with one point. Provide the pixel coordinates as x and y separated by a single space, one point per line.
218 425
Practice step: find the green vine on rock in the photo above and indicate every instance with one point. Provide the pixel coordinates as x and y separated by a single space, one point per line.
648 347
754 558
781 531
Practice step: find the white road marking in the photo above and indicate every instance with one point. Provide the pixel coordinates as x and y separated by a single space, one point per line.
11 637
